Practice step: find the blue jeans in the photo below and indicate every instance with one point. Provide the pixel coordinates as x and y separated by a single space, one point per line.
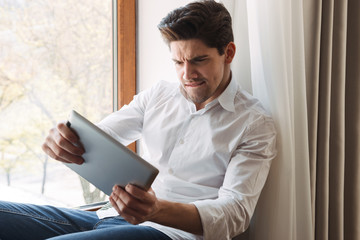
26 221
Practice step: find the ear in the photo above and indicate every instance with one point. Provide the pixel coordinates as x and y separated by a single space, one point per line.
230 52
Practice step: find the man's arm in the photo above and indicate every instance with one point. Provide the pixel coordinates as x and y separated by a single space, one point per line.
136 206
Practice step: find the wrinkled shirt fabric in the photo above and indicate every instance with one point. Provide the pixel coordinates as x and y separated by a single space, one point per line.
217 158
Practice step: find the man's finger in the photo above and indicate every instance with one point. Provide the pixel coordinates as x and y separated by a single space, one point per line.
130 204
126 212
51 154
58 153
142 195
67 139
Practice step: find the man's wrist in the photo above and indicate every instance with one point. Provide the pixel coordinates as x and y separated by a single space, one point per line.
178 215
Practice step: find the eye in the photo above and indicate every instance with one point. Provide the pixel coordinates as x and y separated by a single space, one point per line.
199 60
177 62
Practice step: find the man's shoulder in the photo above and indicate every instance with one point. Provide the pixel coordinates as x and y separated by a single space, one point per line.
164 88
159 91
163 85
246 101
166 85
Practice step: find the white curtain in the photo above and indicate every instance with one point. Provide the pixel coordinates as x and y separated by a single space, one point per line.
275 50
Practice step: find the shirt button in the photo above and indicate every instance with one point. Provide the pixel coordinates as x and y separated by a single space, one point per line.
170 171
181 141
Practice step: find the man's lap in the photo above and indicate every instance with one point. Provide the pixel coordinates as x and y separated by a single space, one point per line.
25 221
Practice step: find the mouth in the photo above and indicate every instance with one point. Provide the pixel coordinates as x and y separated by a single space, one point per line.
194 84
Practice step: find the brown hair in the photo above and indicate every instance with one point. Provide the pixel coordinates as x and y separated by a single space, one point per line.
206 20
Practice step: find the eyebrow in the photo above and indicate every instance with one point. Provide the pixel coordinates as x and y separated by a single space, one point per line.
194 58
199 57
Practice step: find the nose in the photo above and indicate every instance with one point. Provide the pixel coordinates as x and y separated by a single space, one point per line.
189 71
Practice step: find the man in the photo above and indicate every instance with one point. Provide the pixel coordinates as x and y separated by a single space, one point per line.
212 142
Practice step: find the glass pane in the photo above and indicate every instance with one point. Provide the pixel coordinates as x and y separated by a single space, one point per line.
54 56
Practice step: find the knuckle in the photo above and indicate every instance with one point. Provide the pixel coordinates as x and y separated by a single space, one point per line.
123 208
59 153
129 203
147 210
60 125
51 130
61 142
47 139
44 147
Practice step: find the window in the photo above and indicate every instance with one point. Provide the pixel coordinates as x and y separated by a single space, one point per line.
54 56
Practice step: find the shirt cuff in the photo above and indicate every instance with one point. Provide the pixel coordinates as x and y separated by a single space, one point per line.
222 218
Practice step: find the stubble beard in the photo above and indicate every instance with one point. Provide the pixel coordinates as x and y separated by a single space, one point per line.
194 98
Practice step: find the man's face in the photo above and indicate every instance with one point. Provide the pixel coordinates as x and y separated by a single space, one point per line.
203 73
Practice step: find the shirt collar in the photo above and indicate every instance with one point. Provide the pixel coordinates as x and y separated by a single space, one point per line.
227 97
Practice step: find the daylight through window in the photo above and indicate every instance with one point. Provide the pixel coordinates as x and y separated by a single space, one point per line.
54 56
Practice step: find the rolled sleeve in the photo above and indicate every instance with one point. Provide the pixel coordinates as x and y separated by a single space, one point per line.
221 217
230 214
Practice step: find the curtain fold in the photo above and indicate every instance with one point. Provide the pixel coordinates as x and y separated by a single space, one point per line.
332 67
312 37
352 125
305 68
337 119
278 80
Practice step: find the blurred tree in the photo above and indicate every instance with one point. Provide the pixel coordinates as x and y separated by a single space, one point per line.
11 153
90 193
54 56
10 91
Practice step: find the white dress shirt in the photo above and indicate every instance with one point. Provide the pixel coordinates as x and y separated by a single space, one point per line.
216 158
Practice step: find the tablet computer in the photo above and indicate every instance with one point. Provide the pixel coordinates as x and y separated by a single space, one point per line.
107 161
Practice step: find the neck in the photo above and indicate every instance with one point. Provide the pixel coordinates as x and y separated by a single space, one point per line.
221 88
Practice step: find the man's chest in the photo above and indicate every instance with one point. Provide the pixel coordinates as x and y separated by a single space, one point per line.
190 144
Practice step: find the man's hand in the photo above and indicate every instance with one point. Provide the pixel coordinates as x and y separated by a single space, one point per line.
63 144
134 204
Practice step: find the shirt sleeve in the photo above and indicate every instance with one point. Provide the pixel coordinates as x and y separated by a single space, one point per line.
126 124
230 214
